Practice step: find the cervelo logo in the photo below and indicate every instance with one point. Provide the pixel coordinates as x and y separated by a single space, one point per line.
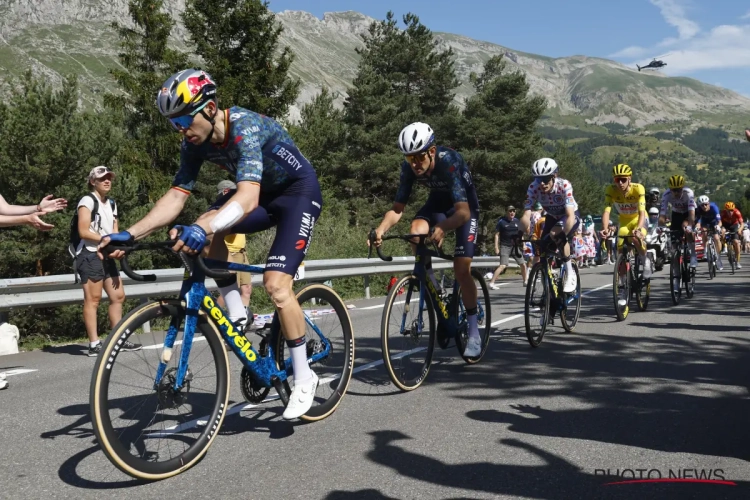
239 340
439 302
287 156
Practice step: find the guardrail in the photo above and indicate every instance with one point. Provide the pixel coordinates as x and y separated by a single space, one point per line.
58 290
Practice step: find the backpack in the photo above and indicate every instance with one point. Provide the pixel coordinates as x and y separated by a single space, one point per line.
74 239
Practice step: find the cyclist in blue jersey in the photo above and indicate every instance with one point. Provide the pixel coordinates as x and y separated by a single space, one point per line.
451 205
276 186
707 215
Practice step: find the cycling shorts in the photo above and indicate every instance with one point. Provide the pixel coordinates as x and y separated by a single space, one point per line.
434 212
551 222
627 228
293 215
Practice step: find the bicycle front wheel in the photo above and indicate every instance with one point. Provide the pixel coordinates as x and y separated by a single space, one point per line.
675 278
330 327
407 334
150 430
711 260
643 288
536 311
732 258
572 309
484 318
621 285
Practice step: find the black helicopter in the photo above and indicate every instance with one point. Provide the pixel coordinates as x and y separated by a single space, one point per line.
655 64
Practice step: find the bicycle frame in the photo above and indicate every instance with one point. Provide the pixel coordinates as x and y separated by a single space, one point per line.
197 297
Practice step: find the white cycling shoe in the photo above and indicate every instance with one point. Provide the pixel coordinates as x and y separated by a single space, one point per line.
571 282
301 399
473 347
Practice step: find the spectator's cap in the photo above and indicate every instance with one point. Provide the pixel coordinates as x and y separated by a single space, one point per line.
537 206
100 172
226 185
510 207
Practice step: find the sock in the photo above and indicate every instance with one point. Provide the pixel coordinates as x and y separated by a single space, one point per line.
233 300
471 318
94 344
693 256
300 368
569 267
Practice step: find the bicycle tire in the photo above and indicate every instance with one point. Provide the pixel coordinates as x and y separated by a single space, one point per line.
337 382
538 271
730 254
711 259
394 363
675 273
644 288
484 323
570 320
110 439
688 275
617 289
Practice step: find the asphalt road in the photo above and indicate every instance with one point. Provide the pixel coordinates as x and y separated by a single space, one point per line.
664 393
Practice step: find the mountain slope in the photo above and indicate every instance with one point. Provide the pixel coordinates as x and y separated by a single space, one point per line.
55 37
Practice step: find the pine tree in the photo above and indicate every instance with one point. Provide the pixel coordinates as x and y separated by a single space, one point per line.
589 193
238 40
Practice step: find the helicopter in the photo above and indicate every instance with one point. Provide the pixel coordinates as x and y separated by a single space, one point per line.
655 64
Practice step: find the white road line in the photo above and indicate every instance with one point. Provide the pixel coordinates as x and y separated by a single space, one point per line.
18 371
177 342
379 306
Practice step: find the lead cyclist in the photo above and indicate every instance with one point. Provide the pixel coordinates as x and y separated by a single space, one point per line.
276 186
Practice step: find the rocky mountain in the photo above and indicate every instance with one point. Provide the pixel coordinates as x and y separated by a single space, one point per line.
55 37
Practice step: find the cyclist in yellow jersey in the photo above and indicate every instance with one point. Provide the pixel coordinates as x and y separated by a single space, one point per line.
629 199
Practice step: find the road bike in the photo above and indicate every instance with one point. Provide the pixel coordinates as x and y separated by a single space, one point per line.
680 272
419 311
712 259
155 412
729 238
628 280
545 296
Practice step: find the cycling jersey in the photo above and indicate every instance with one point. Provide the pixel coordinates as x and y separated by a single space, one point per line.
555 201
629 205
708 218
256 148
450 176
731 218
681 205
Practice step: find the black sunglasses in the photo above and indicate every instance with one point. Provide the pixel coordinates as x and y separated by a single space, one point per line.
545 179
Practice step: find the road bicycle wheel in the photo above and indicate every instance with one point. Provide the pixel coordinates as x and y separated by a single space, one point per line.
688 274
675 278
407 334
571 311
154 432
536 311
711 259
643 287
484 317
332 325
621 285
732 257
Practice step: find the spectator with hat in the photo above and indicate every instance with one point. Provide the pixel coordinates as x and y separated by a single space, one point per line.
506 237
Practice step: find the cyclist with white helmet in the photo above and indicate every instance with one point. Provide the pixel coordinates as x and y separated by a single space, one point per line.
653 198
707 216
452 205
682 201
276 186
556 196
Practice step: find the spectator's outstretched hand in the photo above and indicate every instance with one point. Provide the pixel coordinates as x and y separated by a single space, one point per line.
49 205
34 221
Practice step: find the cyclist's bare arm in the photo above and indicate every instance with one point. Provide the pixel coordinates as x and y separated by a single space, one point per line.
390 219
605 224
246 198
461 216
570 219
167 208
525 221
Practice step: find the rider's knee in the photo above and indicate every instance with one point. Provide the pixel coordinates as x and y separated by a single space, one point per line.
279 288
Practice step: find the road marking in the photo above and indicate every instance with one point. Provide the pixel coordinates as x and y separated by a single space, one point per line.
177 342
18 371
379 306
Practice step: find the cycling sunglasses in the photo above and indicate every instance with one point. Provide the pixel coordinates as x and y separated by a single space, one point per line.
545 179
622 180
417 157
185 121
676 190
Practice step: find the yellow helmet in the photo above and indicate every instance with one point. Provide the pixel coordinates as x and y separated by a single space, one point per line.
676 182
729 206
622 170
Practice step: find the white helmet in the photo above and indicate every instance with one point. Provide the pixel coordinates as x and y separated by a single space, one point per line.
653 211
654 190
415 138
702 199
543 167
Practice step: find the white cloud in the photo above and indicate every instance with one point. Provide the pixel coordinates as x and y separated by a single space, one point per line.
746 16
725 46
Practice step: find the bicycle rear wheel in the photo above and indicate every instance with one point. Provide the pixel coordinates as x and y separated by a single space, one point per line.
688 276
711 258
675 278
407 335
333 326
536 311
643 288
732 257
484 317
621 285
150 431
572 310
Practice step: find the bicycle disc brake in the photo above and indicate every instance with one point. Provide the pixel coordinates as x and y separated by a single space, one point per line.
168 397
252 391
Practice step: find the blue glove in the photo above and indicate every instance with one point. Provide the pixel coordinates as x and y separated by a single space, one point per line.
193 236
121 237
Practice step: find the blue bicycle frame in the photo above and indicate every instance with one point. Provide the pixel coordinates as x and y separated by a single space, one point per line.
197 296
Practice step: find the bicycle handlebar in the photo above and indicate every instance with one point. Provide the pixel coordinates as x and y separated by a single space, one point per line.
406 237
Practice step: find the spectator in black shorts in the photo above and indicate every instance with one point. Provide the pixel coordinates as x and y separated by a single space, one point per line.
97 274
506 237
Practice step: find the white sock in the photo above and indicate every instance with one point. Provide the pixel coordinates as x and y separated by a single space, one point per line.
94 344
302 371
473 329
569 267
233 300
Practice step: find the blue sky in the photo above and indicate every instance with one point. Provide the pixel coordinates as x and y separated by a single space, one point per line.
704 39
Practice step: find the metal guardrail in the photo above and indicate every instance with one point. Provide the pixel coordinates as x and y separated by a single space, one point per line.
61 289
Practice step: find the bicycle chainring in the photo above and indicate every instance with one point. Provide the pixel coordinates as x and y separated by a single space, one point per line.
252 391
